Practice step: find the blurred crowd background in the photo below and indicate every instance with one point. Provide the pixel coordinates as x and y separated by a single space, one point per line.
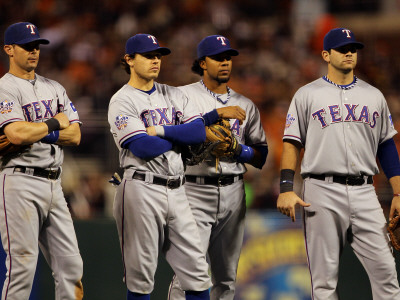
280 46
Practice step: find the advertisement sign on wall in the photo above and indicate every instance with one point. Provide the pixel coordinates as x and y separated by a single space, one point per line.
273 262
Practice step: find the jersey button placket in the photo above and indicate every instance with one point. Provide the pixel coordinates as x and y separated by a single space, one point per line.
346 133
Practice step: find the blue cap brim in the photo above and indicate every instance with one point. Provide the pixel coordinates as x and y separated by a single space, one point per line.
230 51
161 50
27 41
357 44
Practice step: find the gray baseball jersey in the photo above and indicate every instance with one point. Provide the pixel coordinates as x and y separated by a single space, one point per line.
25 194
144 211
22 101
131 111
220 210
250 132
341 128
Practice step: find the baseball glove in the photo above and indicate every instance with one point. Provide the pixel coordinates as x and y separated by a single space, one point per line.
219 142
6 147
221 139
393 229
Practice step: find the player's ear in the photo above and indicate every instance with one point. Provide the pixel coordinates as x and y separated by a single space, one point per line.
129 59
202 64
325 55
8 49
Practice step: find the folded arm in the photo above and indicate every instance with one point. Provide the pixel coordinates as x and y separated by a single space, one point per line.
146 147
185 134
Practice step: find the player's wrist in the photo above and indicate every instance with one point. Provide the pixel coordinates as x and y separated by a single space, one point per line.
287 181
159 130
52 125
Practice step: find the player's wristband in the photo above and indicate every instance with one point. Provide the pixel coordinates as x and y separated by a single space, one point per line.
246 154
286 182
51 138
52 124
210 117
396 195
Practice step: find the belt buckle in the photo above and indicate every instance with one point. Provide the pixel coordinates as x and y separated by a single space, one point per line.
52 175
172 183
220 179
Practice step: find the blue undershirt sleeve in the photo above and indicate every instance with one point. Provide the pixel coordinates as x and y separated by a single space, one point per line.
264 153
210 117
389 158
145 146
247 154
186 134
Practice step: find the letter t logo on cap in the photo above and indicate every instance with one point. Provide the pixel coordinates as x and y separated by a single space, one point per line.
347 32
222 39
153 38
31 26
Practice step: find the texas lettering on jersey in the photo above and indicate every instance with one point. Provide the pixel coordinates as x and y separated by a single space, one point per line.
39 110
159 116
235 127
333 114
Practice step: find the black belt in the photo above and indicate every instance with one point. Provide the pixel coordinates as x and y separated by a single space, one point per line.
39 172
170 183
217 181
348 180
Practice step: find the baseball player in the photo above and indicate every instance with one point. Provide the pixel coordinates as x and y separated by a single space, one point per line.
149 121
35 112
217 197
343 123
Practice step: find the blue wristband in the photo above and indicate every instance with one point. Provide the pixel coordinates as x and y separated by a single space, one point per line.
210 117
246 154
51 138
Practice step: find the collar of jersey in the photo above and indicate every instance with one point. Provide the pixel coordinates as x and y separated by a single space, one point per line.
215 95
149 91
33 81
343 87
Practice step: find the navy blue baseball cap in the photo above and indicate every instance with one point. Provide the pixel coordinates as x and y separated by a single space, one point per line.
22 33
213 45
339 37
142 43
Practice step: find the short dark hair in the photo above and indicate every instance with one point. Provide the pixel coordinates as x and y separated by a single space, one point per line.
125 65
196 68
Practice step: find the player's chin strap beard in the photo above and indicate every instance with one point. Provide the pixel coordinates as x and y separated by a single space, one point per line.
223 80
215 95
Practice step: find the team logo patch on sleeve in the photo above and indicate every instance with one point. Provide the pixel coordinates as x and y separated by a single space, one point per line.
6 107
121 122
289 120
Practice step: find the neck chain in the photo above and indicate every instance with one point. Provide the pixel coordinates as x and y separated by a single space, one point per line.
215 95
343 87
